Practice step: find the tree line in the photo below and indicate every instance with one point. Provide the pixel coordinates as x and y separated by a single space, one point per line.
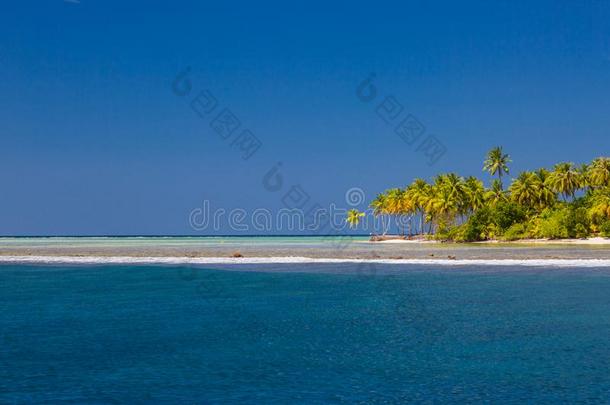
568 201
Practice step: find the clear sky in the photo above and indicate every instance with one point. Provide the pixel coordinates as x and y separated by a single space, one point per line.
93 140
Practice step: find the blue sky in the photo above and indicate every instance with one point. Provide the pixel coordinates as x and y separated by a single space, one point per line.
94 140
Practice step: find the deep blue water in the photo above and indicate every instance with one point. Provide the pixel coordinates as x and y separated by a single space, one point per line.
124 334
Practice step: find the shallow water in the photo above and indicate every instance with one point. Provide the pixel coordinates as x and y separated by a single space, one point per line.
305 246
314 333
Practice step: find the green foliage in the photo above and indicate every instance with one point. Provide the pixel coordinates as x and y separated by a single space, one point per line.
564 222
504 215
497 162
580 231
472 232
491 222
475 228
462 209
604 229
455 234
515 232
577 222
353 217
564 179
485 223
553 227
598 202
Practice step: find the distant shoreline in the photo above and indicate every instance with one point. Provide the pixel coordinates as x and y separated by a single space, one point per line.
584 241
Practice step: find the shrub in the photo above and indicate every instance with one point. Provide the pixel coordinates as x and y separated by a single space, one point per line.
472 232
552 225
564 222
515 232
454 234
533 227
576 221
580 231
492 231
491 222
476 227
504 215
604 229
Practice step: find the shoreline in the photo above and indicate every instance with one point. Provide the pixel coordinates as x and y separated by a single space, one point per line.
317 249
120 260
585 241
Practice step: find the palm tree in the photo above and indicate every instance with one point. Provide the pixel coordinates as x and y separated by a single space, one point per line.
394 200
497 162
564 179
599 172
408 207
457 191
475 193
380 208
583 174
495 194
546 196
445 202
353 217
600 205
524 189
455 184
415 192
447 198
419 193
401 206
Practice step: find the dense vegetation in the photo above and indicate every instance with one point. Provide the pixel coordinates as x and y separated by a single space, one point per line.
566 202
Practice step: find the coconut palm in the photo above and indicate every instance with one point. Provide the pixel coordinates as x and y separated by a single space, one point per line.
546 196
394 200
524 189
600 205
564 179
497 163
353 217
599 172
408 207
444 204
495 194
380 209
456 186
583 174
419 193
475 193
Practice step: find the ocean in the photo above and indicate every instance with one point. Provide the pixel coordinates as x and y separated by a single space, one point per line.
303 333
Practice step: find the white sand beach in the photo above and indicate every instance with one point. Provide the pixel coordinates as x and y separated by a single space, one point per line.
584 241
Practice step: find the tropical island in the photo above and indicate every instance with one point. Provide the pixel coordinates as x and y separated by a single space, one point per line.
567 202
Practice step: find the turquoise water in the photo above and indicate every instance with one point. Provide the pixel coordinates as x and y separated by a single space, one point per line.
356 247
303 333
122 241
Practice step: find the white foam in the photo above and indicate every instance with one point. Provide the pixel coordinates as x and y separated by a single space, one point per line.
299 260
